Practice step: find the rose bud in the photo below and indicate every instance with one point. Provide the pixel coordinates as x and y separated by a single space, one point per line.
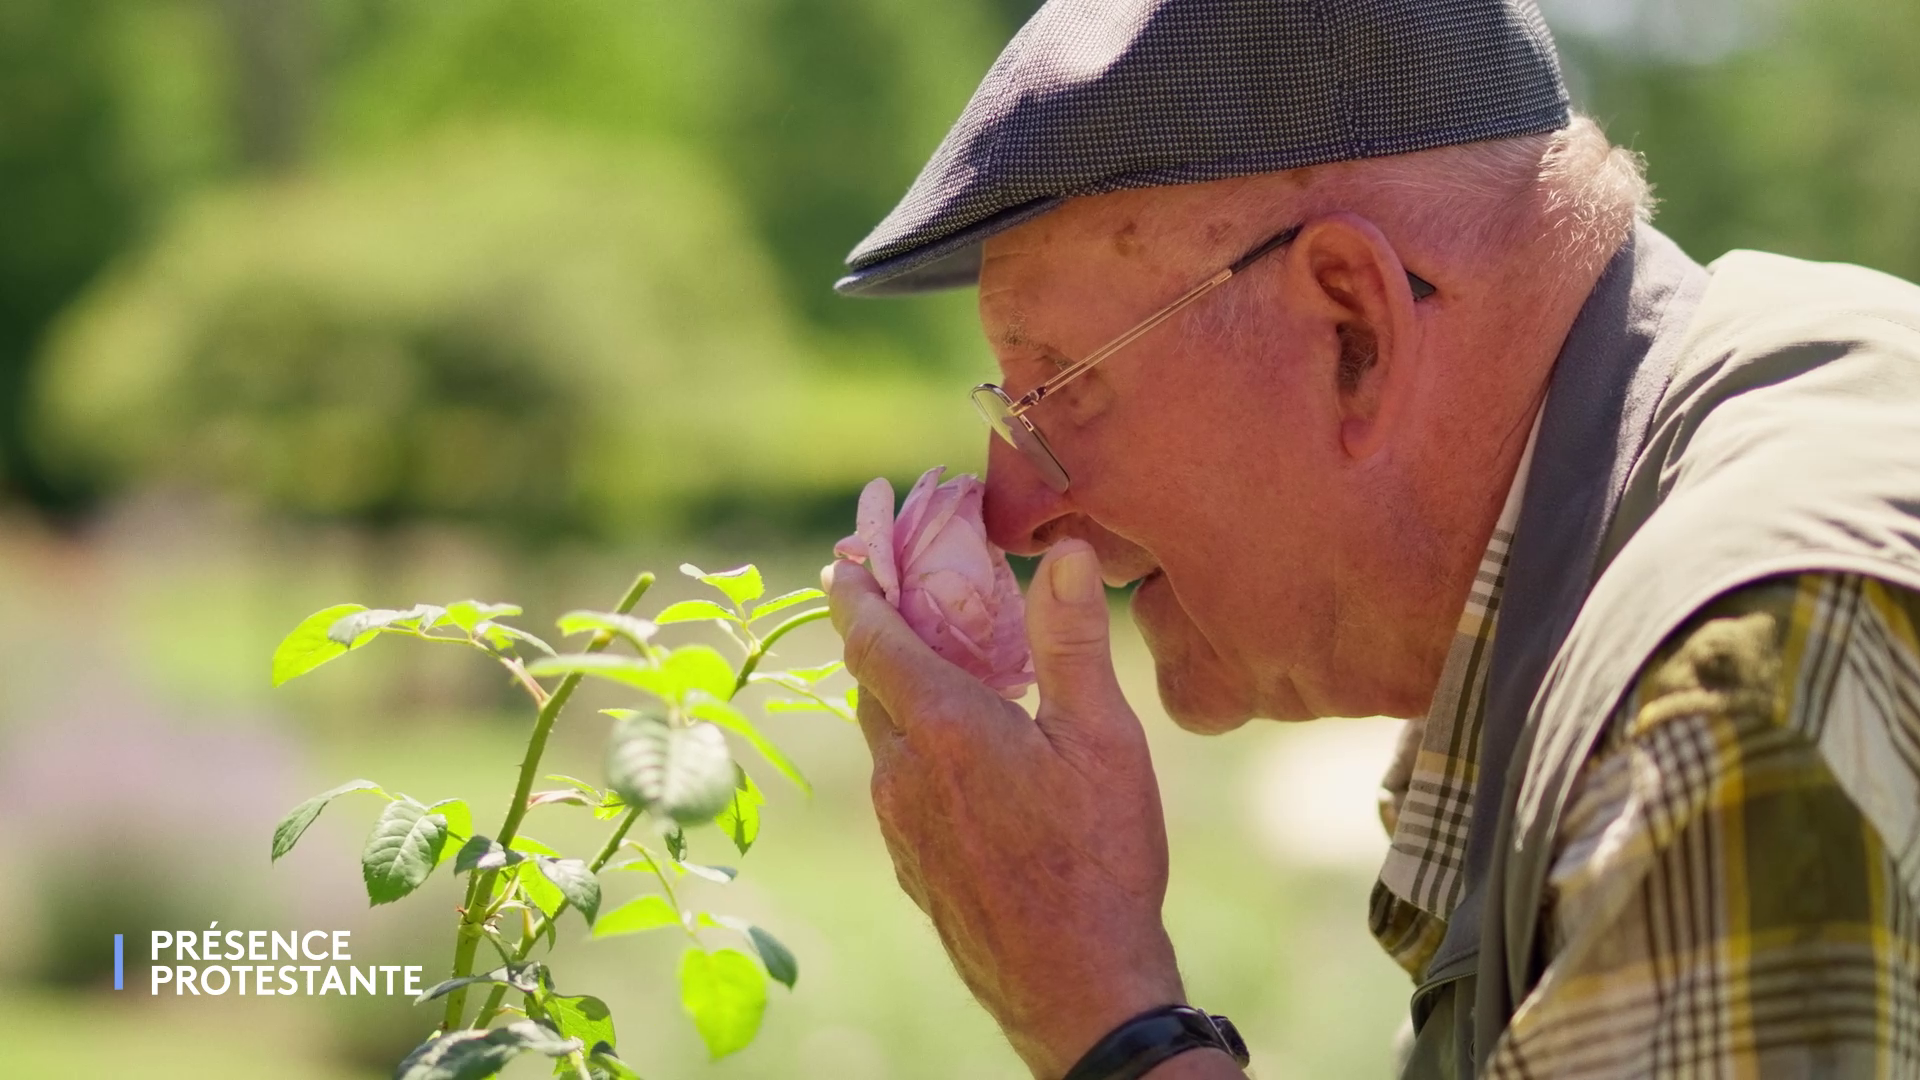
953 587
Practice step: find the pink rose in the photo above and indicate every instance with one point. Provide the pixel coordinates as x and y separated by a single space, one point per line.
952 586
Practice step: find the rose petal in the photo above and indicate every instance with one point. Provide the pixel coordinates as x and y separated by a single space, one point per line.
873 523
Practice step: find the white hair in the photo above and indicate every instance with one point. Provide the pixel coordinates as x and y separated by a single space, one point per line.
1571 189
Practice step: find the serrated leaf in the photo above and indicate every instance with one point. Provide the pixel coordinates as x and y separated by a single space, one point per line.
564 795
528 844
308 646
575 882
678 674
684 773
694 611
526 978
650 912
402 850
732 719
541 893
785 601
726 994
351 628
469 614
459 823
294 825
484 853
583 1017
501 637
741 818
636 630
470 1054
741 584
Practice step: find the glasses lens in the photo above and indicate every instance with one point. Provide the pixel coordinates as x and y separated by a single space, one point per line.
997 410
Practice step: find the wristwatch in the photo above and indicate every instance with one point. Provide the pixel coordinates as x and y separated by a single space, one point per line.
1129 1051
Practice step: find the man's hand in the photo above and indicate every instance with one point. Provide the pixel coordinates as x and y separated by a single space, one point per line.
1035 843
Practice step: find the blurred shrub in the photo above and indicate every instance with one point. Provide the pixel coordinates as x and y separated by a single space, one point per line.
523 330
1783 126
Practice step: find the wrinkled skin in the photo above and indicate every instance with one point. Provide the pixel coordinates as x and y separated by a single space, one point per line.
953 588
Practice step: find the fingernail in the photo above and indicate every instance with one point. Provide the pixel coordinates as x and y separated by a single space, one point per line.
1076 577
826 577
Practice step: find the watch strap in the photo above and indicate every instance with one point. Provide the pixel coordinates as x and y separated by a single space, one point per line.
1131 1050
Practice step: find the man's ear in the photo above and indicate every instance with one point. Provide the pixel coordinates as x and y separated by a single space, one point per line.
1356 280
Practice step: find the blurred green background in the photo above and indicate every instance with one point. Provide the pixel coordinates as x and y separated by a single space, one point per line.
305 301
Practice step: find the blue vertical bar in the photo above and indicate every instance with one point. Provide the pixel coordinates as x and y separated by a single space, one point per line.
119 958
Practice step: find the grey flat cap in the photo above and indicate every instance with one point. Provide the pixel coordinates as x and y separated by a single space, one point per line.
1094 96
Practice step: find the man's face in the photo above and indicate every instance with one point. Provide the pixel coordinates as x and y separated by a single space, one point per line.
1206 459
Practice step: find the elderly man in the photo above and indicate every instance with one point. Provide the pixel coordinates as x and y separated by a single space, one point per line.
1334 331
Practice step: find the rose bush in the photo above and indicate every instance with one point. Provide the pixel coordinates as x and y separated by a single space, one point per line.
953 587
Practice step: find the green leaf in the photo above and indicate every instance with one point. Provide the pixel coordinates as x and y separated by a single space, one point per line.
470 1054
719 875
726 716
583 1017
294 825
540 892
811 675
785 601
676 840
682 772
577 784
694 611
650 912
501 637
308 646
483 853
459 821
402 850
469 614
350 628
778 959
679 673
563 795
575 882
726 994
528 844
741 584
636 630
741 819
786 705
527 978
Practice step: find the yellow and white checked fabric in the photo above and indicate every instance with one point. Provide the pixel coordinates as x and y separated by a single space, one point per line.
1737 874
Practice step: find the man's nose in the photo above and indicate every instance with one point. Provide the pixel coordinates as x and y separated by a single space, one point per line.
1019 504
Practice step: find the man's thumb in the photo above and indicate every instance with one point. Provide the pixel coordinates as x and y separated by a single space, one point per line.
1067 628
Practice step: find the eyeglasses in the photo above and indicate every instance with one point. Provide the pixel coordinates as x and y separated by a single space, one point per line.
1007 416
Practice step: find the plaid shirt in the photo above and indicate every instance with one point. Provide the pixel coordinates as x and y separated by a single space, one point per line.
1736 885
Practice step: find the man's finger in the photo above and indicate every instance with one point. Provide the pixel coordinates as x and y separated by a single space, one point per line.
883 654
878 726
1067 626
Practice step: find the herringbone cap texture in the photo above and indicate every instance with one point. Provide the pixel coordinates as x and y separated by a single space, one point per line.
1094 96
